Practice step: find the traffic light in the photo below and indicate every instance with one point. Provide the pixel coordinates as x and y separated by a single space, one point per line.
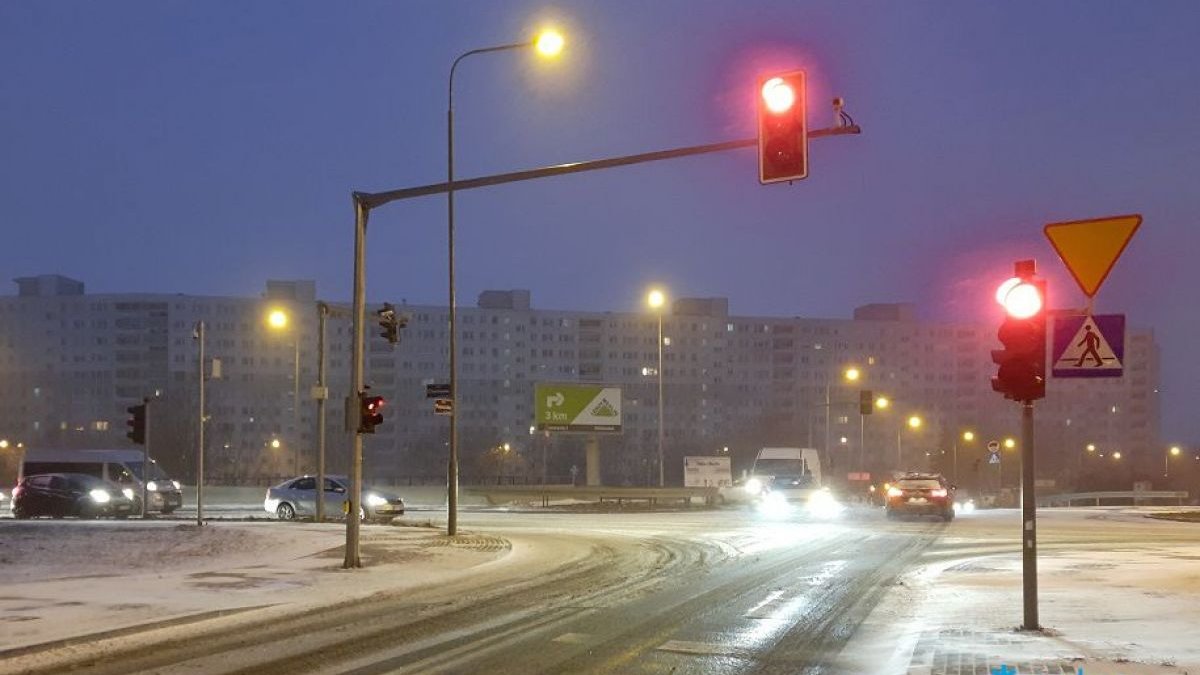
137 424
1022 372
782 128
866 401
370 413
391 322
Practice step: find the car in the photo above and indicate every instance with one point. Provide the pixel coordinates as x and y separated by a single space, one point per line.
296 498
71 494
119 466
924 494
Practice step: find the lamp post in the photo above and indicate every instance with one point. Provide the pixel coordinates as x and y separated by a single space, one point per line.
914 422
1173 452
967 436
278 320
549 43
657 299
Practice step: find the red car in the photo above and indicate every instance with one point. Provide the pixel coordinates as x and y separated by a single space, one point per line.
922 495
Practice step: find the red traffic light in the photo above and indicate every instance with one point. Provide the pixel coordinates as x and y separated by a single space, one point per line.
370 413
1021 298
782 128
1021 375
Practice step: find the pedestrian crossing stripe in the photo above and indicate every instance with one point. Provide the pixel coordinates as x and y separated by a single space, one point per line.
1089 349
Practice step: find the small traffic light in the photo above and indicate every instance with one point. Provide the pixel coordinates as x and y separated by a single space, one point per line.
137 424
1022 372
782 128
866 401
391 322
370 413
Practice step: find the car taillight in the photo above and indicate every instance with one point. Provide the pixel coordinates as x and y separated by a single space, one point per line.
895 492
939 492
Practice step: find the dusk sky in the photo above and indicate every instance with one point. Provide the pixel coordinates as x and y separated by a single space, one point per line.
203 147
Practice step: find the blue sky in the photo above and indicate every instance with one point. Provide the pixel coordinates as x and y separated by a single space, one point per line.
202 147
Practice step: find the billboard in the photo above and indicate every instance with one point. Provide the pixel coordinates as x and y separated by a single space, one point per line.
589 408
707 472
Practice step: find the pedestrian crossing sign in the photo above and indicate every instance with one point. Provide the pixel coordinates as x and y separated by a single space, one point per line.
1088 345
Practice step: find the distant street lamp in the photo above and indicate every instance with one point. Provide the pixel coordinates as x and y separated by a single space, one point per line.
1173 452
914 422
1117 455
656 299
278 320
967 436
549 44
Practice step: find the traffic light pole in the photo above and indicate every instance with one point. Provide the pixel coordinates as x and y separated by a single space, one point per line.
146 461
200 438
365 201
1028 519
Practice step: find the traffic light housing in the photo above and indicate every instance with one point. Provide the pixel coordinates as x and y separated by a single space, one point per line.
866 402
370 412
137 424
782 128
391 323
1021 375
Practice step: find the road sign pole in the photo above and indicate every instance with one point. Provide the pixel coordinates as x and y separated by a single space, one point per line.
200 329
352 558
1028 519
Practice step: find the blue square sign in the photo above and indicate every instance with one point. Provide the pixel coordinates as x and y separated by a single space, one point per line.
1087 345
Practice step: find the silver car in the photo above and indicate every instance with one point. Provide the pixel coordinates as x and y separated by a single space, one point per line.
297 497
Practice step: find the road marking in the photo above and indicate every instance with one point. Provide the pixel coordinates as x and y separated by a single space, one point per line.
754 611
686 647
573 638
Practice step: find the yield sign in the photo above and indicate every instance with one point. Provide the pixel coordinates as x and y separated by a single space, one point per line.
1088 346
1090 247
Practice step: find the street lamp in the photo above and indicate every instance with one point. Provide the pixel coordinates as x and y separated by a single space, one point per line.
914 422
1117 455
549 44
849 374
278 320
967 436
1010 443
1173 452
657 299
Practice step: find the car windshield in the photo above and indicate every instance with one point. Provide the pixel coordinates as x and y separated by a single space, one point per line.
920 484
779 467
155 472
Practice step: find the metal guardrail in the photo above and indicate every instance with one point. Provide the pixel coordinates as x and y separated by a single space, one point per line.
548 493
1136 496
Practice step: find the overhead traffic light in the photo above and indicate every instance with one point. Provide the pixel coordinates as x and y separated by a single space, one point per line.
391 322
866 402
1022 363
782 128
370 413
137 424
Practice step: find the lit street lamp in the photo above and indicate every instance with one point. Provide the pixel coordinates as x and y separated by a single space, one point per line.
967 436
278 320
1173 452
549 44
657 300
914 422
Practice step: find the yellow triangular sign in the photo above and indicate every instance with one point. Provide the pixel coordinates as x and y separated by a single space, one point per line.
1090 247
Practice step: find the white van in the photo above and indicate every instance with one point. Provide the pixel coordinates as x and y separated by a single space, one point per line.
793 472
123 467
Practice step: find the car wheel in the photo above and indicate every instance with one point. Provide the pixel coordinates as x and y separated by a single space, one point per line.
19 513
285 512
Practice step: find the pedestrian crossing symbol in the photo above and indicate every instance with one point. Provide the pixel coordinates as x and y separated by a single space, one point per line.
1089 346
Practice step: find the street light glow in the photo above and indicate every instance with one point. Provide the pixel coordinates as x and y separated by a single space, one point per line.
1174 450
3 443
882 402
656 298
549 43
1117 455
968 436
852 374
914 422
277 319
1091 447
1010 443
275 443
778 95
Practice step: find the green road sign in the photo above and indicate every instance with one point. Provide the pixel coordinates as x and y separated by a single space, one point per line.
590 408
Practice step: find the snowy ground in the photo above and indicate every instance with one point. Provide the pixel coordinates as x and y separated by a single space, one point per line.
1118 593
67 578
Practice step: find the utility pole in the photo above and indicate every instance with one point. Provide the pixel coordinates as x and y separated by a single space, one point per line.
146 461
352 558
321 393
1028 519
199 335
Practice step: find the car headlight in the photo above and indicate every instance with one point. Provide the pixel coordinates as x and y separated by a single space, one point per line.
152 486
100 496
375 500
128 492
823 504
175 483
754 486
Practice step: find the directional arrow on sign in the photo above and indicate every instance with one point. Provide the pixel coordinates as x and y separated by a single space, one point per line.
1089 248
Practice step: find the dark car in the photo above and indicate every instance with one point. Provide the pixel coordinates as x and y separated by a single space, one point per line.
921 495
71 494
